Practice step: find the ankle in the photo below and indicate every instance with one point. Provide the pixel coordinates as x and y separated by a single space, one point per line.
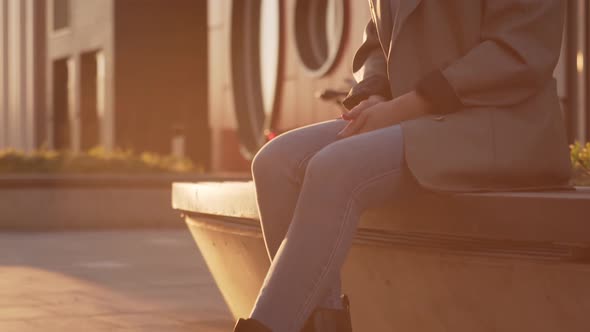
332 304
250 325
330 319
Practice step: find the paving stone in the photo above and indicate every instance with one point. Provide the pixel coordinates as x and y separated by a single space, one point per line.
137 280
18 326
137 320
23 313
60 323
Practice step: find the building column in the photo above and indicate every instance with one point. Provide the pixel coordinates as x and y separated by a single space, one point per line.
74 93
29 94
49 72
18 62
104 100
15 81
3 71
39 60
582 71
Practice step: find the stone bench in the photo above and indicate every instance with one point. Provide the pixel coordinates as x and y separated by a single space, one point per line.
431 262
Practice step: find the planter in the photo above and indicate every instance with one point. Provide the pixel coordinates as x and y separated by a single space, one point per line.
40 201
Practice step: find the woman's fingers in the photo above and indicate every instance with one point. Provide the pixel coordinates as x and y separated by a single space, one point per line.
353 126
345 131
353 113
363 105
359 108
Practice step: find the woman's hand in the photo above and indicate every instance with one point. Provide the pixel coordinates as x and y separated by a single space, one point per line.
363 105
387 113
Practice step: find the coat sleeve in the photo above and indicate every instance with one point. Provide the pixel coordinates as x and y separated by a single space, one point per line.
370 67
519 49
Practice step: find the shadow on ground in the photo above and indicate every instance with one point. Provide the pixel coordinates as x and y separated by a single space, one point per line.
133 280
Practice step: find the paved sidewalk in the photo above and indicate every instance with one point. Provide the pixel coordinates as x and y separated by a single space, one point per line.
137 280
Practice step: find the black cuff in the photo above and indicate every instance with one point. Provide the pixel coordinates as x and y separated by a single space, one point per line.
374 85
435 88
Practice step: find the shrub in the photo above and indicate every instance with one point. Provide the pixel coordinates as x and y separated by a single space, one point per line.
96 160
580 157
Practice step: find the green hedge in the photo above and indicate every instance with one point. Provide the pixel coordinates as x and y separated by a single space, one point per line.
580 157
97 160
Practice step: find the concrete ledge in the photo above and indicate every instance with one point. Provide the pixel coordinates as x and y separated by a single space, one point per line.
470 262
41 202
159 180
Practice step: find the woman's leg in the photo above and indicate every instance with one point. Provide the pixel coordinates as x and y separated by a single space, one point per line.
341 180
278 170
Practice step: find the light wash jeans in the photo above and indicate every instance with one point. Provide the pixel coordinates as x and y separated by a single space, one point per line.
311 188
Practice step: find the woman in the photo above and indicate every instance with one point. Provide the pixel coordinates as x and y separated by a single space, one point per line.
456 94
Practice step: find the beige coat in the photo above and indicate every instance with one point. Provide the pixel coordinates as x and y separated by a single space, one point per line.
498 57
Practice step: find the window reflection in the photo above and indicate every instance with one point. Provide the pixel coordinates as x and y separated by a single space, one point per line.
269 51
319 26
255 66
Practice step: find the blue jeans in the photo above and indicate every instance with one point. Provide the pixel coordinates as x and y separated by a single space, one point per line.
311 188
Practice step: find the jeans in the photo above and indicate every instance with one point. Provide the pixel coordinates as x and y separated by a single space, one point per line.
311 188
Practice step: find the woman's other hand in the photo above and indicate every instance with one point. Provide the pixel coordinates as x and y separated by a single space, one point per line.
386 113
363 105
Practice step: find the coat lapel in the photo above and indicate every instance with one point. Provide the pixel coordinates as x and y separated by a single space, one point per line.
406 7
399 14
384 22
380 13
389 17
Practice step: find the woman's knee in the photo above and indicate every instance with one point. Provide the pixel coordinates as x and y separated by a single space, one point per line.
290 149
325 164
268 158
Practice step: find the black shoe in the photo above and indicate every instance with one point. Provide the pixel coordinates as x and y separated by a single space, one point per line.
330 320
250 325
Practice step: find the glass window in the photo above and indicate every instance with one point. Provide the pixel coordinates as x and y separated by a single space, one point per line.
319 27
269 52
255 52
61 14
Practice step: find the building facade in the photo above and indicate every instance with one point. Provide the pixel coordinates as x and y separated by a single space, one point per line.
80 74
132 74
21 73
263 84
268 60
128 74
207 79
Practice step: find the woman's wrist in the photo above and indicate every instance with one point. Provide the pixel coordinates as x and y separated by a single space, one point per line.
410 106
377 98
420 104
